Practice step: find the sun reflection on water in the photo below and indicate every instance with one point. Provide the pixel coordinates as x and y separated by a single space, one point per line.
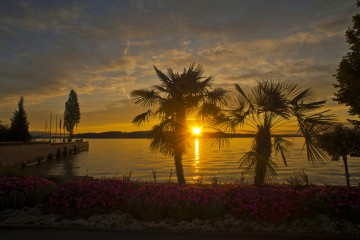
197 156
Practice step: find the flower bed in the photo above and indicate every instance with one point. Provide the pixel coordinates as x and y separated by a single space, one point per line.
272 204
338 201
268 203
18 192
160 201
93 196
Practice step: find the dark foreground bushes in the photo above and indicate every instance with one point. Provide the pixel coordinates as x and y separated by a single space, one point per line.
19 192
275 203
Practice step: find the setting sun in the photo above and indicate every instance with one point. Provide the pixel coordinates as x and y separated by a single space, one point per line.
196 130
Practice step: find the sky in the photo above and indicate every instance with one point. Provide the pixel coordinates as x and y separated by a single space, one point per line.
106 49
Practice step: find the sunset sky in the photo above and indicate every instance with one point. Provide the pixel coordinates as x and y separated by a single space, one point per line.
105 49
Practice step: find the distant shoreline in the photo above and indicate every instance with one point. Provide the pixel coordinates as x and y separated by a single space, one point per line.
147 134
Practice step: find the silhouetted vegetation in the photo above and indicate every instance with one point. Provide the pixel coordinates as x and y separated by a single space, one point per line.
348 73
72 113
4 132
268 106
178 95
19 128
341 142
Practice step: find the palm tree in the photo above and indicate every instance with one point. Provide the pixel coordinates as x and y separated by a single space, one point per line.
268 106
178 96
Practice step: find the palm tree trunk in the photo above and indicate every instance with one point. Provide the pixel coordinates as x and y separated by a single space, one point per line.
263 154
179 169
180 143
347 176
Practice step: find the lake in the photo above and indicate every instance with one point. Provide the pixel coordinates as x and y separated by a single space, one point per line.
118 157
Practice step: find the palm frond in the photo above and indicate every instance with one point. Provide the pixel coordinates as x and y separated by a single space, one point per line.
164 79
142 118
218 95
160 88
227 123
218 142
206 83
308 107
234 117
311 127
282 146
208 111
162 138
302 96
168 107
271 172
243 94
249 162
195 72
145 97
270 96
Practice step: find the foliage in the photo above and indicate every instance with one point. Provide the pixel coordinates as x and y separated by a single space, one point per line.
273 204
18 192
4 132
348 73
300 179
341 142
178 96
268 106
155 201
269 203
333 200
83 198
19 128
72 113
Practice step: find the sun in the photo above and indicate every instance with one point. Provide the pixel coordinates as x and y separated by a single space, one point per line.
196 130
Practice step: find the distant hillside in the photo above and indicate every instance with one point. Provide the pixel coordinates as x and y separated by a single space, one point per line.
115 134
147 134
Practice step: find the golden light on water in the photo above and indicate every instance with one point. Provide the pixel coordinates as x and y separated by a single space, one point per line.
197 156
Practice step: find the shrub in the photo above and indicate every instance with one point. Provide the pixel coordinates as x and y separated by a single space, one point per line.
84 198
19 192
266 203
338 201
158 201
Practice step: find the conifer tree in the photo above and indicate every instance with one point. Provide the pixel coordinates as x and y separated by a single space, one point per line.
19 128
72 113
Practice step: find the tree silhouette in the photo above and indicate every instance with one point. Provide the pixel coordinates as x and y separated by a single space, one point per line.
178 95
348 73
19 128
341 142
72 113
4 132
268 106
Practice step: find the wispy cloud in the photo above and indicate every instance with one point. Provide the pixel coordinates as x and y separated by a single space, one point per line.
104 50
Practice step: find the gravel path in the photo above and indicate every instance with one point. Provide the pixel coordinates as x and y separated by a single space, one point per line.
119 221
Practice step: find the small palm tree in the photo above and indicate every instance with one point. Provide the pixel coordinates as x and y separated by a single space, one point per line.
268 106
178 96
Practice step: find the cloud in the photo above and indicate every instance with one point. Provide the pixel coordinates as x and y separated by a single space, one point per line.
104 50
31 15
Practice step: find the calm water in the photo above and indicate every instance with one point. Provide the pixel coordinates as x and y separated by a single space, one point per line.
117 157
